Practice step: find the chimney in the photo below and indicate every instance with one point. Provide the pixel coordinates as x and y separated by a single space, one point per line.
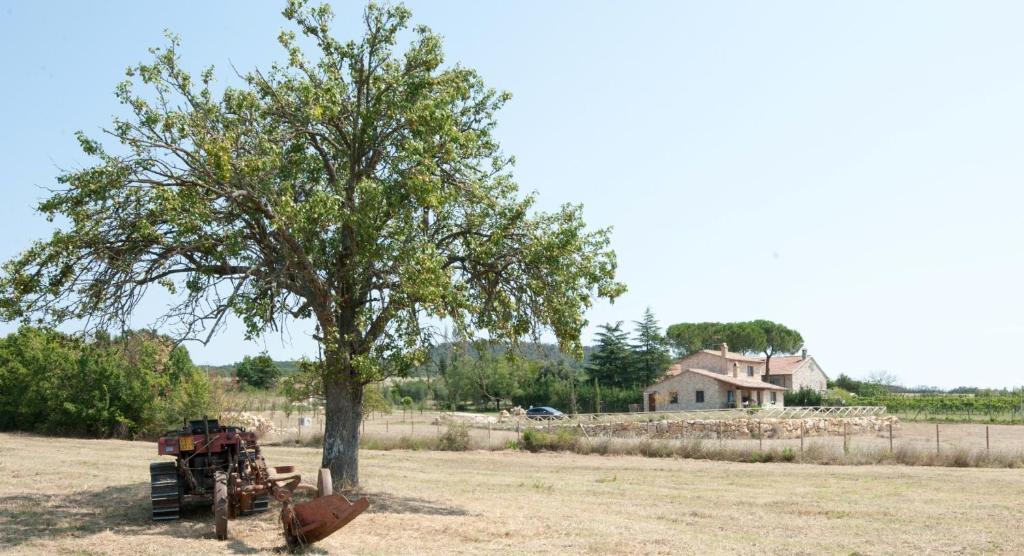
725 349
803 354
735 369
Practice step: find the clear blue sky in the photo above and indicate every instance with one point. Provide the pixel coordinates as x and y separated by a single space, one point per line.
850 169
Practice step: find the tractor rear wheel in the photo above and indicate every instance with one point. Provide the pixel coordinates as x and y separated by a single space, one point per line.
220 504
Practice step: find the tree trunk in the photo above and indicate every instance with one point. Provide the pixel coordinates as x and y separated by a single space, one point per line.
343 417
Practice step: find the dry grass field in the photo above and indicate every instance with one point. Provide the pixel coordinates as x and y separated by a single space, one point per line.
91 497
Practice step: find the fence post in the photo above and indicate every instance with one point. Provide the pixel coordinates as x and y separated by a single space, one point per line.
386 425
760 442
488 434
936 438
801 436
986 438
890 436
846 437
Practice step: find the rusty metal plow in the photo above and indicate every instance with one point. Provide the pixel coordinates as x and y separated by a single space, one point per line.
308 522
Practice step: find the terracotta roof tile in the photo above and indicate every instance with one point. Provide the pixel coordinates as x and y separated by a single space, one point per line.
742 382
785 364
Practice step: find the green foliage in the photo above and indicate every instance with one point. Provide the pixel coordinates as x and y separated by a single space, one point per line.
416 390
805 397
770 338
758 336
359 169
650 356
374 401
859 387
481 377
613 362
360 185
839 396
1004 405
306 383
258 372
136 384
691 337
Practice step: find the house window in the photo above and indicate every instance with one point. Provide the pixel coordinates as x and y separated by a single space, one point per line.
673 397
776 380
730 397
773 397
750 370
700 396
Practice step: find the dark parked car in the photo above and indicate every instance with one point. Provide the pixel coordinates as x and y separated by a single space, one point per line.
544 413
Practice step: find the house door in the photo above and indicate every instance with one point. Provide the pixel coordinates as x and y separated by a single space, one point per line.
651 406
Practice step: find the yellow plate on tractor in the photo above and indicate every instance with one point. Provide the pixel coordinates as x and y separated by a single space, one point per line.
185 444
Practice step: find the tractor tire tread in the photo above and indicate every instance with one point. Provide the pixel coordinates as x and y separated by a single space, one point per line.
165 491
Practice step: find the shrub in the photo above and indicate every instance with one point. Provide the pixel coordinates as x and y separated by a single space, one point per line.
455 439
536 440
656 449
805 397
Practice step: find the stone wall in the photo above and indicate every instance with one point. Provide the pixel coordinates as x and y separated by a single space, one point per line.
685 385
742 428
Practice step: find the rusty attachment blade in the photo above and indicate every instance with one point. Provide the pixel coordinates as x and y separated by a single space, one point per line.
317 519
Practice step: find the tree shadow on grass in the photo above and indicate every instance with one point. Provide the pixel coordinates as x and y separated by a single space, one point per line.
124 510
387 503
121 509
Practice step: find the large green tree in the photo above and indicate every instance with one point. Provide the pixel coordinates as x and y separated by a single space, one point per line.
691 337
770 338
359 187
613 363
753 337
651 357
259 371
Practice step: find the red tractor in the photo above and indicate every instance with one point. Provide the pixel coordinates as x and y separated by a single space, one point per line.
222 466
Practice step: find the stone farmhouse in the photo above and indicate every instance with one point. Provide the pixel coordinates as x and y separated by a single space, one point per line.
717 379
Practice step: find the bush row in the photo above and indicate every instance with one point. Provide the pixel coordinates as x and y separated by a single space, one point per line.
133 385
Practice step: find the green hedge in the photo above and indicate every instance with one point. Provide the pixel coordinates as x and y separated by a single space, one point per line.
136 384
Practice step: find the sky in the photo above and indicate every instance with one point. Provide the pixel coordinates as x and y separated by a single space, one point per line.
850 169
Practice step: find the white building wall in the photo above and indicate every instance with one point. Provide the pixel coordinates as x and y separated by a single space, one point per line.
809 376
